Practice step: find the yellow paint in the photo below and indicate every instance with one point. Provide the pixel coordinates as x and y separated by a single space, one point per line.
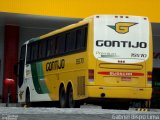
69 73
120 92
112 86
83 8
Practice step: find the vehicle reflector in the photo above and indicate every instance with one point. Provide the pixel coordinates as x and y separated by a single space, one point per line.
149 76
91 75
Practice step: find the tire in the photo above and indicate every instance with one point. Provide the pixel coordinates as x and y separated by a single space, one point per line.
62 98
71 103
27 100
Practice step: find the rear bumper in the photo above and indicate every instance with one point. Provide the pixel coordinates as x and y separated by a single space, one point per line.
119 92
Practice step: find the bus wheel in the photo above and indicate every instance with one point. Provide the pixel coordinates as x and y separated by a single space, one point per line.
71 103
27 100
62 98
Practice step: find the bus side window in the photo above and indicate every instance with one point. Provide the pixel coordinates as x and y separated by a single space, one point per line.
78 38
51 46
42 49
73 40
85 35
81 38
34 51
60 46
68 41
29 53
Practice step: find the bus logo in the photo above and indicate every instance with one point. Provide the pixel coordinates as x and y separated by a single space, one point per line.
122 27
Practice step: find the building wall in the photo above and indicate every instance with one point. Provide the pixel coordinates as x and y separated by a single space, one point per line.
83 8
1 56
156 45
28 33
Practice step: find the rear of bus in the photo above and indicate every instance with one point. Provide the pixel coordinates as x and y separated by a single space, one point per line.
120 60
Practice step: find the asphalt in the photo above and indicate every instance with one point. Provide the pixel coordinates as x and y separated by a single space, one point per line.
83 113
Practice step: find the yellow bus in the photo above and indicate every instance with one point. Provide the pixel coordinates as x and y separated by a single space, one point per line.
101 59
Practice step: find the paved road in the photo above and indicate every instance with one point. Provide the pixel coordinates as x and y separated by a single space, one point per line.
20 113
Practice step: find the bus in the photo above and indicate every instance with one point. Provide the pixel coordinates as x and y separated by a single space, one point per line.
103 59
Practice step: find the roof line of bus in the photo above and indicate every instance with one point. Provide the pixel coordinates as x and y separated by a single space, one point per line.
54 32
83 22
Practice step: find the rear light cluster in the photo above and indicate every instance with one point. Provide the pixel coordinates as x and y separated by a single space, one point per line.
149 77
91 75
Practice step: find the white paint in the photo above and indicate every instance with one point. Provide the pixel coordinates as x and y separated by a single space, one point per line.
137 33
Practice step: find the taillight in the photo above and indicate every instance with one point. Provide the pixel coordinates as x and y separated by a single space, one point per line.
149 77
91 75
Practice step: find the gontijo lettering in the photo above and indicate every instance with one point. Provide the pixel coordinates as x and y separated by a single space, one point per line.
129 44
55 65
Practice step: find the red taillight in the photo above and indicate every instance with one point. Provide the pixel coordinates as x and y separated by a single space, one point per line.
91 75
149 77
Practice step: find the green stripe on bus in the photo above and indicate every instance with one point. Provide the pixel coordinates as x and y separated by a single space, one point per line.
41 78
35 78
